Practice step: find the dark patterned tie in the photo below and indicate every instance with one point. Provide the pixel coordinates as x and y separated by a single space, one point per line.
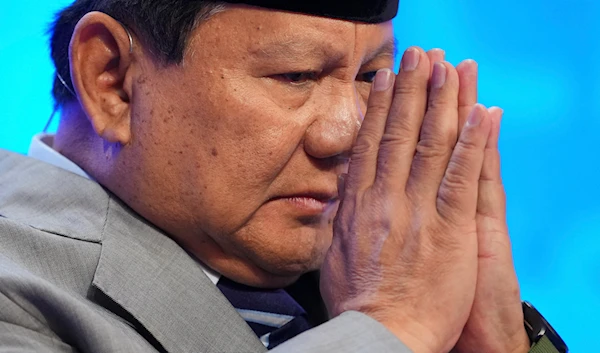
272 314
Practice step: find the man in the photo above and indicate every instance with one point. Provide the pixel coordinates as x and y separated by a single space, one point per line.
203 151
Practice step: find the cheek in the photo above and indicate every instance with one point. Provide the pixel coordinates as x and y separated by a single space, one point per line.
246 133
227 147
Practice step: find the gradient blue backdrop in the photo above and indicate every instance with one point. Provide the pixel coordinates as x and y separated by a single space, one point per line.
538 61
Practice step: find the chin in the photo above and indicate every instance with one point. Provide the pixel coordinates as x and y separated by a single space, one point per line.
283 262
265 276
275 248
293 265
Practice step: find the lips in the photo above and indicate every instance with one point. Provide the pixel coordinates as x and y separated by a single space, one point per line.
318 196
307 202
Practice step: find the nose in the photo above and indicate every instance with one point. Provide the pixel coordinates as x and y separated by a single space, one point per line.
337 118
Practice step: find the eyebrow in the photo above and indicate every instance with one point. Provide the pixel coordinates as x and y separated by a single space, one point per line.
389 47
293 48
304 49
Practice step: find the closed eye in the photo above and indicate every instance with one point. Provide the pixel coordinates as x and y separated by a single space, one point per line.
368 77
297 78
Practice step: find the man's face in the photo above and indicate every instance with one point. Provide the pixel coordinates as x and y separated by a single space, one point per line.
236 152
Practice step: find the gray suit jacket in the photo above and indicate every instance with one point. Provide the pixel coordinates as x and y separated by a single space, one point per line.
81 272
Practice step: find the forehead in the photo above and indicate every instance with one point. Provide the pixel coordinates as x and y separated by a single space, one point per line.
267 33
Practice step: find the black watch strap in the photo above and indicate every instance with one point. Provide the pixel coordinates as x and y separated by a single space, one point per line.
542 336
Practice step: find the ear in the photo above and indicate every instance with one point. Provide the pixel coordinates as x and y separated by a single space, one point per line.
101 70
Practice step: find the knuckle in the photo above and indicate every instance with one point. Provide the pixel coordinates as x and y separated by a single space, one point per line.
378 102
434 147
401 128
397 134
364 147
447 199
453 186
407 89
466 144
456 173
390 155
385 165
442 101
378 107
450 209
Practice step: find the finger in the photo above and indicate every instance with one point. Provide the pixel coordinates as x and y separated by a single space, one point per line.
467 91
399 140
363 160
438 134
457 196
435 55
492 200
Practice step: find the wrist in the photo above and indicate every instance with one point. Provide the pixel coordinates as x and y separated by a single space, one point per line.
493 338
416 337
523 344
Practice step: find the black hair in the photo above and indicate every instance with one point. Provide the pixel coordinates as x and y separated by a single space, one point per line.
162 25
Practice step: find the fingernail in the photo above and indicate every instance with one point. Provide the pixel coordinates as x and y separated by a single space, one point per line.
441 51
438 76
410 60
476 115
383 80
492 109
469 65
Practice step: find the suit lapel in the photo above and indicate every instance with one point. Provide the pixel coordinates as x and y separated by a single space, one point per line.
165 289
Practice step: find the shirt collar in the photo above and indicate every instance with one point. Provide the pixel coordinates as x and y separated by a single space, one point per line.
41 149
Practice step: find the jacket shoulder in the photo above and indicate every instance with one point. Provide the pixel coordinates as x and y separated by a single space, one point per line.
65 262
48 300
51 199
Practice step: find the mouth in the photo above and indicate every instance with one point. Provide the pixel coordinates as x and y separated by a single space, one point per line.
311 203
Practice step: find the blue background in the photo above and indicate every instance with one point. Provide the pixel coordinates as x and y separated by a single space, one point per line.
538 60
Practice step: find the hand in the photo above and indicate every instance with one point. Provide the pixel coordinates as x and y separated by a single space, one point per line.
404 249
496 320
495 324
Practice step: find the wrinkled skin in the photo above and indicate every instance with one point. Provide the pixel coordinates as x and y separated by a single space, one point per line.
236 152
